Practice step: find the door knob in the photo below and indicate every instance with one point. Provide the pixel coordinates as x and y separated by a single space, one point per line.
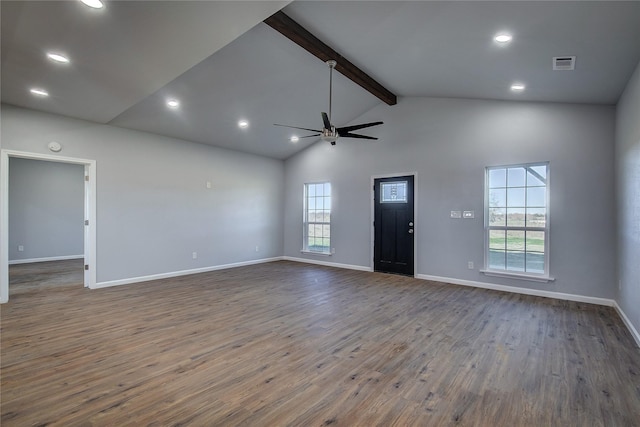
410 223
411 231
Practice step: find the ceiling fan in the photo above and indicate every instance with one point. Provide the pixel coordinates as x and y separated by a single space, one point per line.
329 132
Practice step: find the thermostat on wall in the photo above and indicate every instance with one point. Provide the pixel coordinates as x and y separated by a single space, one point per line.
55 146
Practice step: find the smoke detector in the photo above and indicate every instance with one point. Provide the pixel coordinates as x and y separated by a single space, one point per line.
564 63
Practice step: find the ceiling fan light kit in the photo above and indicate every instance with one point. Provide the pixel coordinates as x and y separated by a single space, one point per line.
329 132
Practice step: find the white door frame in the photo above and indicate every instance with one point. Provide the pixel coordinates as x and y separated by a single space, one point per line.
415 216
89 214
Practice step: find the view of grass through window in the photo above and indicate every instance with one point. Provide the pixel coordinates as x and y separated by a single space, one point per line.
517 218
317 217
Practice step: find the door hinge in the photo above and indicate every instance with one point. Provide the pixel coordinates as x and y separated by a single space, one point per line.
86 266
86 222
86 177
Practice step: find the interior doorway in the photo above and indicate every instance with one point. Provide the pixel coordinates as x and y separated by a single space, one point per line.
394 225
89 245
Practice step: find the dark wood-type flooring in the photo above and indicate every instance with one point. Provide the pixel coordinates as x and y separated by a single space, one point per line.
289 344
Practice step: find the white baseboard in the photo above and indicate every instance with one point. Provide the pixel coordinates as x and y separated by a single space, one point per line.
525 291
328 264
627 322
139 279
47 259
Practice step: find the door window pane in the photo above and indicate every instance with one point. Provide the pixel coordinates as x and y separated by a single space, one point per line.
393 192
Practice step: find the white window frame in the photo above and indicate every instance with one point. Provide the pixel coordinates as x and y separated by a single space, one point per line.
306 222
539 277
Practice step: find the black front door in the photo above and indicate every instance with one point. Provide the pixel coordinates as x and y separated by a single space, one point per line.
393 225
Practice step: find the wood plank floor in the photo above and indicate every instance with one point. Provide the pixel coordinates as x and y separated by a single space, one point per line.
289 344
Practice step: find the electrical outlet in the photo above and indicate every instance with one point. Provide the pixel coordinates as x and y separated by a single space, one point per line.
333 250
20 248
257 248
456 214
470 265
208 184
194 255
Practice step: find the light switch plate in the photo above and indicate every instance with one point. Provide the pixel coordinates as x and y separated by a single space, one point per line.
468 214
456 214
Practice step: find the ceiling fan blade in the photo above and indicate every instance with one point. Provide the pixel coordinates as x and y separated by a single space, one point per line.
355 135
295 127
356 127
310 136
325 120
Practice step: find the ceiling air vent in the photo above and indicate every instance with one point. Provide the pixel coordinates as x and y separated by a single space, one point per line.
564 63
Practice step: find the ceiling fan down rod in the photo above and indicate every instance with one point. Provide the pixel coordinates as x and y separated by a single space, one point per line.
332 64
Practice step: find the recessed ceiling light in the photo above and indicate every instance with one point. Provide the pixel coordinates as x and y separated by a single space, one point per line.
39 92
243 124
96 4
173 103
294 139
56 57
518 87
503 38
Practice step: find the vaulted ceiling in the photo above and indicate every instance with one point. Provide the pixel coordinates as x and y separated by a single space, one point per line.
224 64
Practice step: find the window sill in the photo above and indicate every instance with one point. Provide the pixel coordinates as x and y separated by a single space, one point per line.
315 253
520 276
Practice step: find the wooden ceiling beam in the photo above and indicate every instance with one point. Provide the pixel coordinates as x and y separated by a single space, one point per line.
289 28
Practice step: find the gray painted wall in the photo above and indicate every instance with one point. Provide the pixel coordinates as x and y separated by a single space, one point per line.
628 193
153 207
449 142
46 209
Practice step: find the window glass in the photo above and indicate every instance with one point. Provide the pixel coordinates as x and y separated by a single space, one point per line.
497 178
498 197
515 197
317 218
515 177
536 196
517 218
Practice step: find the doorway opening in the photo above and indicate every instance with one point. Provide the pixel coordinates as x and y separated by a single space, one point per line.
88 261
394 224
